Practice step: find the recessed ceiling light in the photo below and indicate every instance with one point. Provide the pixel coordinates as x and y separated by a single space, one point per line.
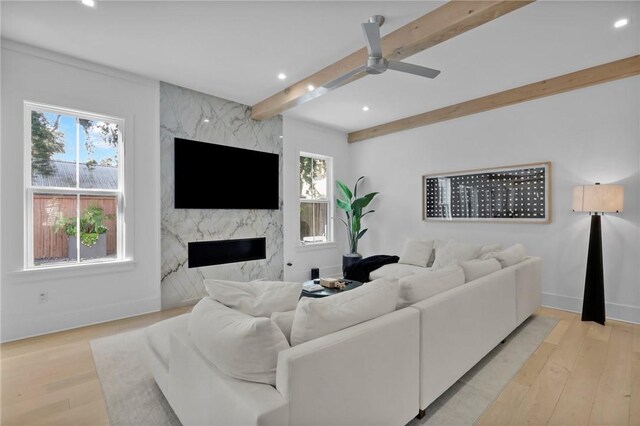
282 76
365 108
90 3
280 136
206 120
311 88
621 22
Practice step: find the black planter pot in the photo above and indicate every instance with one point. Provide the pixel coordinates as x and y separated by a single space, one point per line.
349 259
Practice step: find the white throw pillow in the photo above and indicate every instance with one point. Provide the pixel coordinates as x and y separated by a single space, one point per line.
257 298
475 269
284 321
417 287
437 245
511 255
318 317
240 345
416 253
488 249
455 252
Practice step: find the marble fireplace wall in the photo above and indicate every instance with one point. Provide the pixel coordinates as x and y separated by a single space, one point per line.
182 114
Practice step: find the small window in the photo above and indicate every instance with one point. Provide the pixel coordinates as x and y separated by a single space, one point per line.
315 196
74 187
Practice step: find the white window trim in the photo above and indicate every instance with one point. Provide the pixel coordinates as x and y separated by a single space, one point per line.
323 245
330 242
61 271
29 190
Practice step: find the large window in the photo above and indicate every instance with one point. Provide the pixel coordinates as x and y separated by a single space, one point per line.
74 187
315 196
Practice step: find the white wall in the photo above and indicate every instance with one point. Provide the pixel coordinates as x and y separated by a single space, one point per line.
89 294
589 135
300 136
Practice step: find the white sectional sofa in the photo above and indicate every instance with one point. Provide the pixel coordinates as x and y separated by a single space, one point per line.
382 371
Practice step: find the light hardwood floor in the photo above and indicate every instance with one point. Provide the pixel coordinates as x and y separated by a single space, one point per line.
52 379
581 374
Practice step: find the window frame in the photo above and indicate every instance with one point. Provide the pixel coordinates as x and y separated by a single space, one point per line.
329 200
30 190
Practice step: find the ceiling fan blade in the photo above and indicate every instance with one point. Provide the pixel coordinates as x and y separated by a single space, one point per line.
343 79
371 31
413 69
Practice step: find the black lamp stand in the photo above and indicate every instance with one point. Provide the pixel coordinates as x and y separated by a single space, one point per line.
593 301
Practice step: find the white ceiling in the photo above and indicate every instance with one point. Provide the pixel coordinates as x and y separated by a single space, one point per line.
236 49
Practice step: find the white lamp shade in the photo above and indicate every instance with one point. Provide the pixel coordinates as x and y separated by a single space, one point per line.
598 198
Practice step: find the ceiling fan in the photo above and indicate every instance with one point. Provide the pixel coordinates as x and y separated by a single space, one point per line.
376 64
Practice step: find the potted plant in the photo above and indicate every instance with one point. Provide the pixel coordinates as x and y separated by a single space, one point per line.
93 241
353 206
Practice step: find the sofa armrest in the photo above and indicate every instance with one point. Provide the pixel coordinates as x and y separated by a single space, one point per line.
200 394
365 374
528 287
460 326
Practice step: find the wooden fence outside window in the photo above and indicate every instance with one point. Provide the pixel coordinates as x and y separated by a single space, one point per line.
47 244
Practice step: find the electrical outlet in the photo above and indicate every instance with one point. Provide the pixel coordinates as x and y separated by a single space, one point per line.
43 297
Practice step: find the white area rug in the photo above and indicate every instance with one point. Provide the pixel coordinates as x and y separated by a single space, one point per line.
133 398
131 393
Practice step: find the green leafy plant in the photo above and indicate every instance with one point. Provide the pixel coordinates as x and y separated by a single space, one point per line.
353 206
91 225
46 141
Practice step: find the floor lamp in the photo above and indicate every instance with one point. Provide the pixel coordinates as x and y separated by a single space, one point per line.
596 199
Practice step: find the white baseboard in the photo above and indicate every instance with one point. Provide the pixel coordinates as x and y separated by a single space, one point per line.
81 318
614 311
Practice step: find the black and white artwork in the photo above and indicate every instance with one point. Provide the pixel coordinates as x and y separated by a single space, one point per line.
520 193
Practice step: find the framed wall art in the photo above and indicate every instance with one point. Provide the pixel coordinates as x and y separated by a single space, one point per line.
519 193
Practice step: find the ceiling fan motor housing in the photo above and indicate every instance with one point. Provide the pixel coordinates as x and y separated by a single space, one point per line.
376 65
377 19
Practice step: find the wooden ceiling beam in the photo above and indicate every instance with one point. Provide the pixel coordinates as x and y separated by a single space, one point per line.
616 70
441 24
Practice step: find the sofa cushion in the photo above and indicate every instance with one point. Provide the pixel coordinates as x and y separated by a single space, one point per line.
240 345
416 253
511 255
474 269
284 321
158 335
417 287
256 298
395 270
454 252
318 317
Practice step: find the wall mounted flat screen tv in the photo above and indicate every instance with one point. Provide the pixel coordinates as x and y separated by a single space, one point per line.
211 176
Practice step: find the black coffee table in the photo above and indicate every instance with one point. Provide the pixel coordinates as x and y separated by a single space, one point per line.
351 284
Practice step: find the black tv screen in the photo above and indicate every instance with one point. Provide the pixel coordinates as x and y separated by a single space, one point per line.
211 176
